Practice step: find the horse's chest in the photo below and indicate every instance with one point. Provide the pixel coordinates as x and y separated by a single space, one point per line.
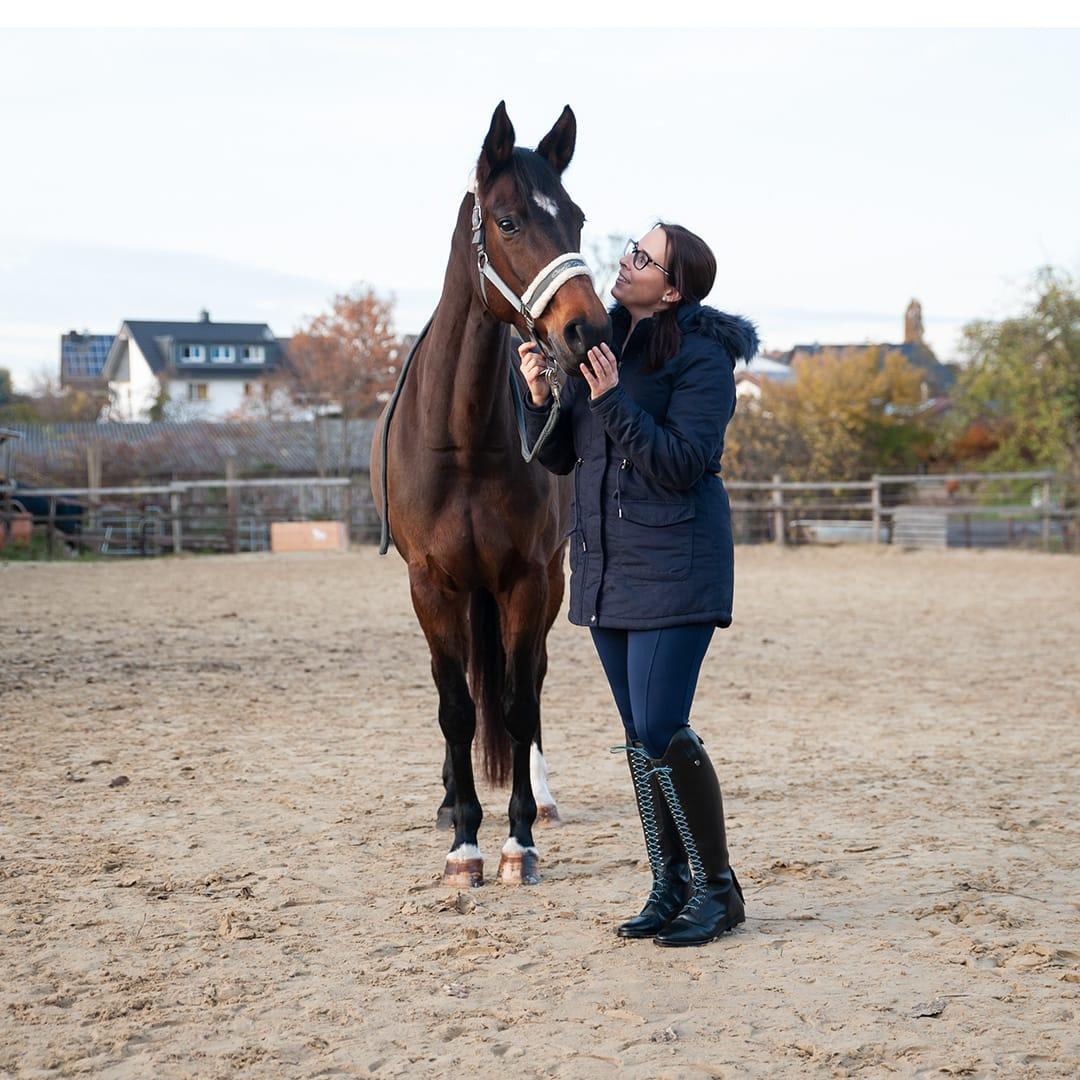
467 509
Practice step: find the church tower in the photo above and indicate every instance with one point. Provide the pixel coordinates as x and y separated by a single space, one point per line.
913 325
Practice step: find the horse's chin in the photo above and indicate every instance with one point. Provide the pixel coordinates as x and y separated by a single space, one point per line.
569 364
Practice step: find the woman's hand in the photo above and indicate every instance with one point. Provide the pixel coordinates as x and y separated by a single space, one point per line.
604 373
533 365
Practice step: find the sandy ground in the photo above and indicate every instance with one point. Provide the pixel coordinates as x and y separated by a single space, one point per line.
897 738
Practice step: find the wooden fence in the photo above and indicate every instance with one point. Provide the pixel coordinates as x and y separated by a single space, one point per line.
1035 510
1013 509
226 515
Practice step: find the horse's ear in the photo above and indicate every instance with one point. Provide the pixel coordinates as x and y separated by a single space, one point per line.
558 144
498 145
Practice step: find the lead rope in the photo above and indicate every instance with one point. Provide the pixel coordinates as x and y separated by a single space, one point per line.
519 410
384 535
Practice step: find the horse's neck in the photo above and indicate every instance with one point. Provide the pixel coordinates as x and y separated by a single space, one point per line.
463 392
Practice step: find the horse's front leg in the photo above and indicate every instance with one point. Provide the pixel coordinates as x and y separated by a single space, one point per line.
522 643
444 816
445 624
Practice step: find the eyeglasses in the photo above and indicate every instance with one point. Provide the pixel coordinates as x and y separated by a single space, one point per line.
642 258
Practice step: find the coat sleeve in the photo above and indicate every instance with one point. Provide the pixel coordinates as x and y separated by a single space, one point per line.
677 452
557 455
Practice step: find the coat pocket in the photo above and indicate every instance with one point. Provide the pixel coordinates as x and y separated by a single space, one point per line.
653 541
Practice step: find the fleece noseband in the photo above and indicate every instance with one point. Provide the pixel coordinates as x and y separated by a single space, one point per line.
540 291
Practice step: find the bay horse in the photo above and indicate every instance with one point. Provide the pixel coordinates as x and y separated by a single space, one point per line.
481 529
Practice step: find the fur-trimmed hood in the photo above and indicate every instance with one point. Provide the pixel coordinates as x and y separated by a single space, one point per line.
735 333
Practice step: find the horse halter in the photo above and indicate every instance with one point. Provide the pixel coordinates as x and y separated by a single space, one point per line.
540 291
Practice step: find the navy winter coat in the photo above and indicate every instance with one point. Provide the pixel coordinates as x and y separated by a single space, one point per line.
650 542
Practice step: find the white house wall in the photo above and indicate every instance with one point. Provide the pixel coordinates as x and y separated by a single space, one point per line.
224 397
136 387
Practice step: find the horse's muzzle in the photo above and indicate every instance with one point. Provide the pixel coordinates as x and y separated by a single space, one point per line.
578 337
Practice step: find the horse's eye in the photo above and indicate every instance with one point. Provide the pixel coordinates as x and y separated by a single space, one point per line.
507 226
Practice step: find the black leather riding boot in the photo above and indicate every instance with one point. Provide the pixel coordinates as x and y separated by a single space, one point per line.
689 784
670 870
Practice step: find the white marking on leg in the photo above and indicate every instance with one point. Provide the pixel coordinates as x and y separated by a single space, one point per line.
538 778
512 847
546 204
465 853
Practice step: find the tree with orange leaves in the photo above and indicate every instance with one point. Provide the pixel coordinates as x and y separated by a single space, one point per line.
341 360
344 362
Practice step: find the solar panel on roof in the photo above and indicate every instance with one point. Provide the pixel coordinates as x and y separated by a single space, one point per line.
84 355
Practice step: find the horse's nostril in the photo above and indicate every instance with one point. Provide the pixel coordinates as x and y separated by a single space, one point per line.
574 335
580 336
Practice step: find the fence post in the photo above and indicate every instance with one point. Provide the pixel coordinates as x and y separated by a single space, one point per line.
93 480
177 530
346 510
232 538
875 509
778 511
50 533
1047 495
320 446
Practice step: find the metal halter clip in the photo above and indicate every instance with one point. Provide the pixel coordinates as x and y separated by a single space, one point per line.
552 377
477 224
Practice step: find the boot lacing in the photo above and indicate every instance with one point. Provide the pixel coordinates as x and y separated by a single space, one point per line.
697 868
638 760
663 774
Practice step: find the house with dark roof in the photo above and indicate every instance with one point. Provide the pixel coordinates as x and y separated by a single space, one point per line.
937 377
201 370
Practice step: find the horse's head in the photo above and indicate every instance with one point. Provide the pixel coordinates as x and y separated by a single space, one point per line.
529 222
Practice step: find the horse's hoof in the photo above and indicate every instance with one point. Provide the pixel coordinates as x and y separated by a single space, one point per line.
548 815
444 819
464 874
519 868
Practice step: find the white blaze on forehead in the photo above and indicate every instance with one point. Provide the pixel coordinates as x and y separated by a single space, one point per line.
545 203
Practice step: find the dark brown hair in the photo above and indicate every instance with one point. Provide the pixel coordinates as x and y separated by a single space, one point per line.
691 268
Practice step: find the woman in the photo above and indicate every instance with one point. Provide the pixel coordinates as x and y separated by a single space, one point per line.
651 552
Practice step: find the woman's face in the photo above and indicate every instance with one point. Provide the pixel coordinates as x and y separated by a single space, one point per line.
648 290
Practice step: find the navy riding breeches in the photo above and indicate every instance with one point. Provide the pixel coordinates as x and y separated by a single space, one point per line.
653 675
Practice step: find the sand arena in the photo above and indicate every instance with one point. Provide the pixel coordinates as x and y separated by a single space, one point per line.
897 738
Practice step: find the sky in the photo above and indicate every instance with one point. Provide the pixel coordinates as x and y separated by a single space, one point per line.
837 174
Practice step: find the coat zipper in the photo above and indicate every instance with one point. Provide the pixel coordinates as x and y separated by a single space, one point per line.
577 499
618 483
